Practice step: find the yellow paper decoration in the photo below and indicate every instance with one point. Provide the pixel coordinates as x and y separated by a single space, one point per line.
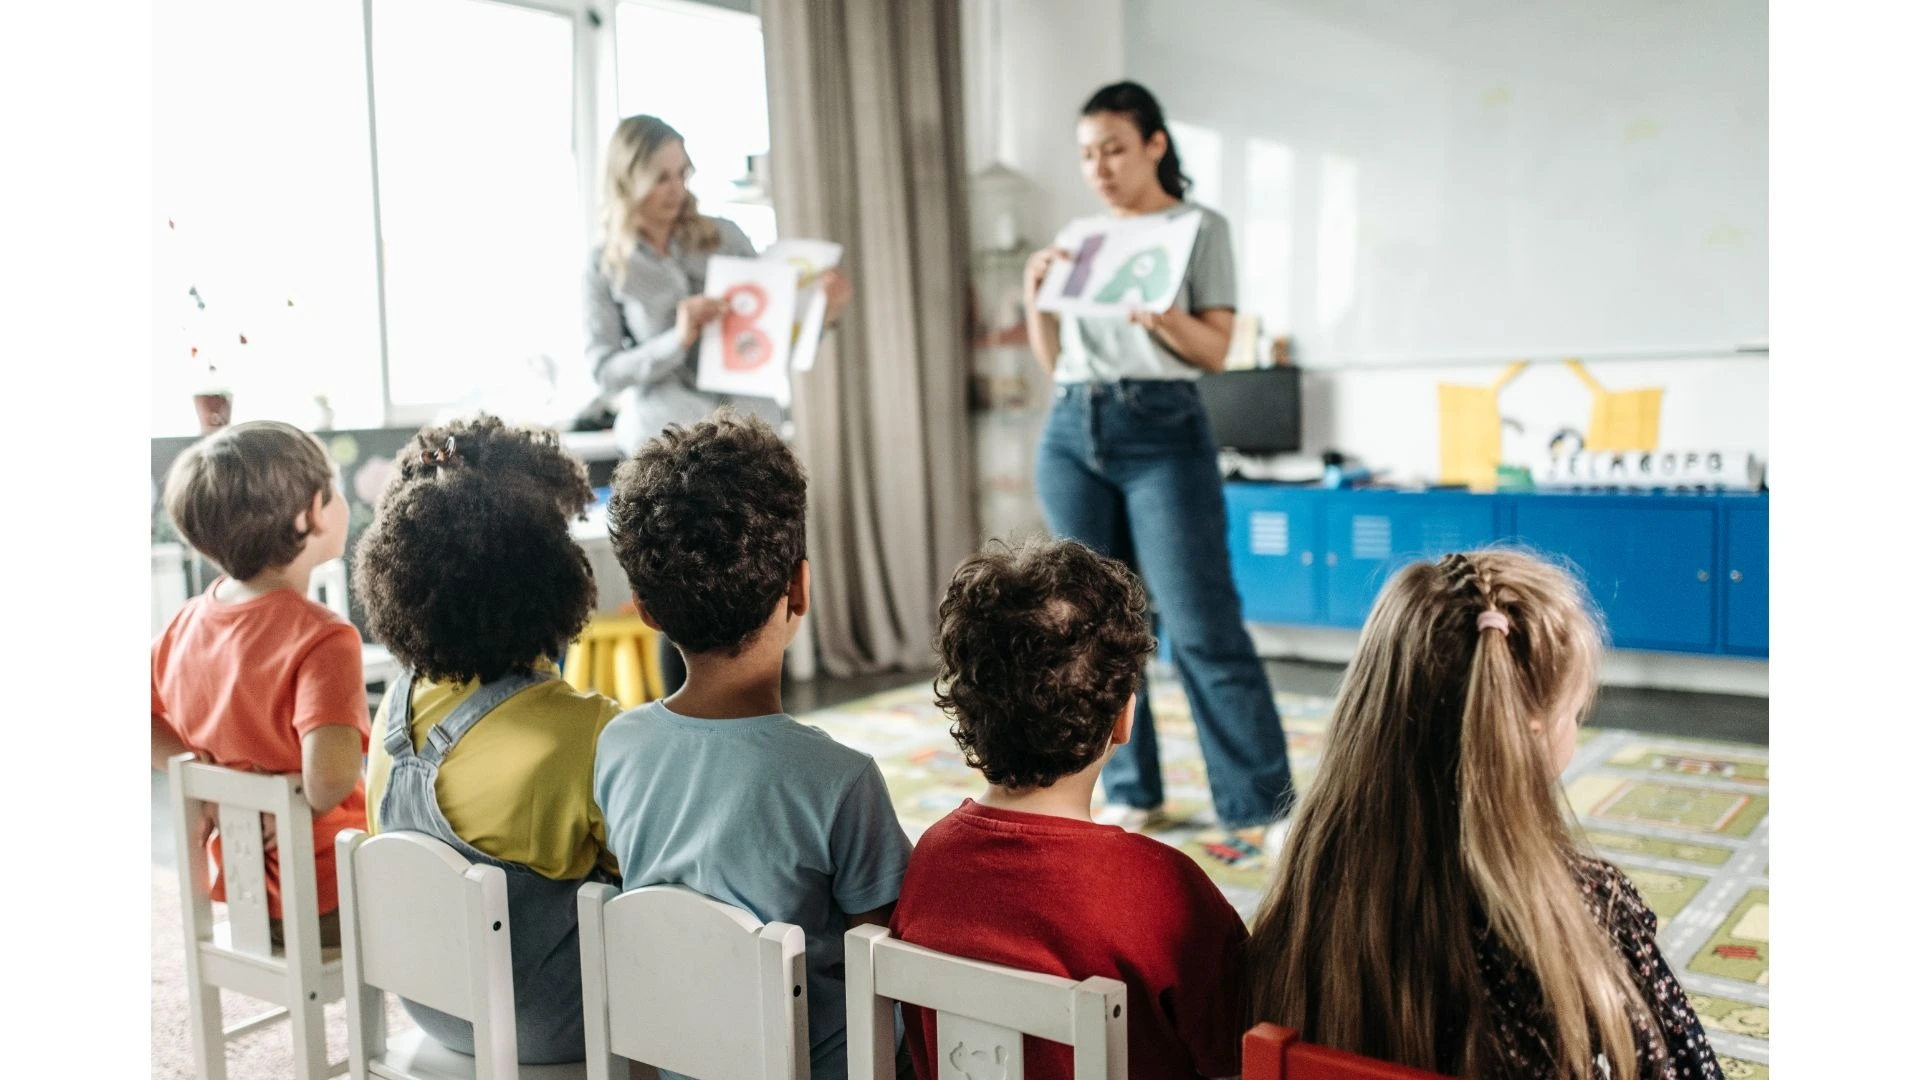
1470 431
1622 419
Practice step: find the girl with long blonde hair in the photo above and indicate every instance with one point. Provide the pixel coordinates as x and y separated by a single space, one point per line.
1432 906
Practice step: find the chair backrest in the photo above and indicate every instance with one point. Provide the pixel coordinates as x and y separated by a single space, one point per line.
981 1012
687 984
1272 1052
242 797
420 921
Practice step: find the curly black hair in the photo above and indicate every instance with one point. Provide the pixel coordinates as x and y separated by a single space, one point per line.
509 453
710 524
1040 646
469 574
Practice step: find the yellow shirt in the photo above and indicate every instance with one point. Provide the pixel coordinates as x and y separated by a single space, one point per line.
519 785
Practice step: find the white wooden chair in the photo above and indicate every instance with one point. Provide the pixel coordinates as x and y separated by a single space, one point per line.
418 920
981 1009
239 954
687 984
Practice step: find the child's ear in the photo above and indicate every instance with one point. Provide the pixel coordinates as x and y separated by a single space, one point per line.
646 616
800 590
1123 727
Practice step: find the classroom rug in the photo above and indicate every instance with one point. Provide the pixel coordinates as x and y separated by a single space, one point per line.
1685 819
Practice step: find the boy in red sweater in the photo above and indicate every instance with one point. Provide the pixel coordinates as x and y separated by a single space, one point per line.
1040 654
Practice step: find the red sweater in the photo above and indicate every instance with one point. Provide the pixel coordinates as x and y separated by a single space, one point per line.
1076 899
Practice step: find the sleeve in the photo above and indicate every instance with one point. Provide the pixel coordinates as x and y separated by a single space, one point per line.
733 240
616 360
868 847
328 685
1207 1001
1210 272
1633 926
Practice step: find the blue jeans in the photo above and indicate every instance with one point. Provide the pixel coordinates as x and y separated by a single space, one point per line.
1130 469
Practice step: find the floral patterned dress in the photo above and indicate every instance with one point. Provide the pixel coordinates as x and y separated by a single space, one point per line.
1670 1043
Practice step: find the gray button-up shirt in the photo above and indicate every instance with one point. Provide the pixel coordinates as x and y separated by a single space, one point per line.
634 350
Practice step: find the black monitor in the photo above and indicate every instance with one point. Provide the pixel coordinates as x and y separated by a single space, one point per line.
1254 411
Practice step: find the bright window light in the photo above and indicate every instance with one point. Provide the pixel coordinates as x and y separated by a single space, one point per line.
479 205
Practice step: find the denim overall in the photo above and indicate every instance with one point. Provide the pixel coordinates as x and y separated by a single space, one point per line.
1130 469
544 917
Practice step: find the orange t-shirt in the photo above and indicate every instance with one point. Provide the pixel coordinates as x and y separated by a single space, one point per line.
243 682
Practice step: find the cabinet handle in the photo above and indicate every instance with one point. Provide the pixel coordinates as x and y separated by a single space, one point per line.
1735 576
1703 575
1333 558
1306 558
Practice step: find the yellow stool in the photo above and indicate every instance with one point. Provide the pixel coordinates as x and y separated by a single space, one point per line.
616 655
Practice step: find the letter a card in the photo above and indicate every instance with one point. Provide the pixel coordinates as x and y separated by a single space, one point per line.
1120 265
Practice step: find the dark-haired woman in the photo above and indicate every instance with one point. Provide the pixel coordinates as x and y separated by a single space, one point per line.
470 577
1128 466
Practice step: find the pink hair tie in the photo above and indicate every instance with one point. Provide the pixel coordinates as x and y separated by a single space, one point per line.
1492 619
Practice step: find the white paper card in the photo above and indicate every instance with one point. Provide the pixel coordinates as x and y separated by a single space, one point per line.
811 258
1120 265
745 350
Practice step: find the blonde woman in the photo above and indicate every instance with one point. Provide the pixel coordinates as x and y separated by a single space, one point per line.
644 282
1431 905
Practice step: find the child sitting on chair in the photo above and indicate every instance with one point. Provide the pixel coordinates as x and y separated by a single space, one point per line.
1432 906
1040 650
251 674
470 576
715 788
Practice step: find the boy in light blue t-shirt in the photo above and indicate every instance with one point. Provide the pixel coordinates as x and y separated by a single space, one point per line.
716 788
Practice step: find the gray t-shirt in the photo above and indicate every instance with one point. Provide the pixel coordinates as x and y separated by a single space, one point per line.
1111 349
767 814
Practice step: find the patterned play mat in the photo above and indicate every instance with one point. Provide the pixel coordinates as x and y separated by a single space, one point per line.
1686 820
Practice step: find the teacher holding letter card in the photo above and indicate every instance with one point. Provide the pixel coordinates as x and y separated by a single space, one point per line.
644 305
1127 310
644 281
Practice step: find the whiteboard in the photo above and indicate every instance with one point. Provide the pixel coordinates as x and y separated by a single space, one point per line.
1447 181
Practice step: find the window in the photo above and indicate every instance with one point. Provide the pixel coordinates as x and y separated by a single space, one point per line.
462 258
260 162
703 70
480 211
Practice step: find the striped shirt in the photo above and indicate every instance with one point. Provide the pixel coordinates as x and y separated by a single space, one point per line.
632 345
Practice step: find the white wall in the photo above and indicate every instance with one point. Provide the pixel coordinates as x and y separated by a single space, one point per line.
1028 69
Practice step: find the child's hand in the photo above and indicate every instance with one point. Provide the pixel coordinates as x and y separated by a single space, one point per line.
208 824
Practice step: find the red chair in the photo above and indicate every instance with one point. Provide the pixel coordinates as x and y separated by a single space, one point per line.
1271 1052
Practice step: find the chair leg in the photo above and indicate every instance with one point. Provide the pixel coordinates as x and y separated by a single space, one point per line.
309 1041
209 1032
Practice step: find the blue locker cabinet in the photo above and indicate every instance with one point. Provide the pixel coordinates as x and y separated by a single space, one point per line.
1273 537
1744 584
1647 560
1371 535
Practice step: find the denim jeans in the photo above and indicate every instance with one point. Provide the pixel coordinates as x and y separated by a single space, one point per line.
1130 469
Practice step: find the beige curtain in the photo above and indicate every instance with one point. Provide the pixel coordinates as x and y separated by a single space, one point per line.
868 150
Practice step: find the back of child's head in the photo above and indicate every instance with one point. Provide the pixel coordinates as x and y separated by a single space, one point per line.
508 453
1040 647
469 570
710 523
1436 811
236 494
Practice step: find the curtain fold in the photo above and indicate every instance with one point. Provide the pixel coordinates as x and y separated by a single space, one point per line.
865 106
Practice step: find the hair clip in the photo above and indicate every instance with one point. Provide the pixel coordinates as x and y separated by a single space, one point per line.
1492 619
438 458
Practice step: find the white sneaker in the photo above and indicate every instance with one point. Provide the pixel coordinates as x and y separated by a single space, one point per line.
1131 818
1276 839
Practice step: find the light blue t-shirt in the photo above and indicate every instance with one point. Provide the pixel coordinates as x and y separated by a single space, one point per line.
767 814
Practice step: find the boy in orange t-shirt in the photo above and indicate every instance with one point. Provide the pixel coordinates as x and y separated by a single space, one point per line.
251 674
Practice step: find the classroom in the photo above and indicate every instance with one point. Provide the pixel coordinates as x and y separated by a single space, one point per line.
978 539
